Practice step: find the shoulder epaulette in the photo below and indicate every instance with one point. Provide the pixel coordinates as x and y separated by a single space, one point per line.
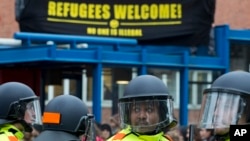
168 137
12 138
119 136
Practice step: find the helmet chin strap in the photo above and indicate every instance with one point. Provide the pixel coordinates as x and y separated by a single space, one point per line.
158 129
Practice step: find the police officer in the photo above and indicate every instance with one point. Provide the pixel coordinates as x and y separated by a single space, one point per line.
225 103
19 109
66 118
146 110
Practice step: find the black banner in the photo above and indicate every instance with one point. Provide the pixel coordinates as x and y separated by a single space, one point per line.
185 22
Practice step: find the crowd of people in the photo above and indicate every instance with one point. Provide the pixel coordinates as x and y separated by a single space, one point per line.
182 133
145 113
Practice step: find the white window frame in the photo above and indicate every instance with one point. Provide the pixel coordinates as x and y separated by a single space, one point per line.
209 76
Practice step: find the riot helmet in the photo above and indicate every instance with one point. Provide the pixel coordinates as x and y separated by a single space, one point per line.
19 103
146 106
67 113
226 102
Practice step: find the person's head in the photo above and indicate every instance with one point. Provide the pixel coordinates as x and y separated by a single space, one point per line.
19 105
67 113
146 106
226 103
206 133
106 131
175 134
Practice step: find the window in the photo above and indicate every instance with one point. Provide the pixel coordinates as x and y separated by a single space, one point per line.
198 81
114 81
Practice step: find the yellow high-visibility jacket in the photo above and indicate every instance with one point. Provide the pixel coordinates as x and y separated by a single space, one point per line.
127 135
9 132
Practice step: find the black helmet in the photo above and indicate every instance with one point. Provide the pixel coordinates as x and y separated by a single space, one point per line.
227 102
19 103
149 90
66 113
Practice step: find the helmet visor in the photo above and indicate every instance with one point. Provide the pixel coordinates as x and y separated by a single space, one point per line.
149 115
33 112
220 109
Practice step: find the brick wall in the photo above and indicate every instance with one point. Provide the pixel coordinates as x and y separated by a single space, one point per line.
233 12
8 25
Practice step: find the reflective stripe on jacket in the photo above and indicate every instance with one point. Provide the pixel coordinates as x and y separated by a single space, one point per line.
127 135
